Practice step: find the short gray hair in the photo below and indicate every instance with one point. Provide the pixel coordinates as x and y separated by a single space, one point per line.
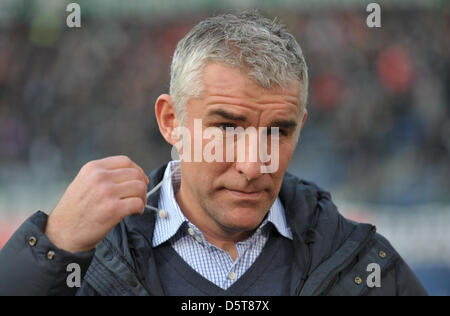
263 48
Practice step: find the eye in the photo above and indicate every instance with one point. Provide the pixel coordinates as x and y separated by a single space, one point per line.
277 132
224 126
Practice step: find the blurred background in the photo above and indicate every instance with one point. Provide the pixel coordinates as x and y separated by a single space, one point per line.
378 129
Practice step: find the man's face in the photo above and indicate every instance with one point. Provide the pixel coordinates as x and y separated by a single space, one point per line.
235 196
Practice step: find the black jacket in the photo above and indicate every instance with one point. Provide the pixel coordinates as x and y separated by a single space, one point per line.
335 253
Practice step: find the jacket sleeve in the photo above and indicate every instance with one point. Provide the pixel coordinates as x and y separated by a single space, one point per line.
402 276
407 282
30 264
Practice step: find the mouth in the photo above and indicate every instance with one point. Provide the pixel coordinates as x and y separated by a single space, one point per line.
245 195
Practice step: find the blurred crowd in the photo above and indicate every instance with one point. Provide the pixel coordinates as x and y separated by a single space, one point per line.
379 108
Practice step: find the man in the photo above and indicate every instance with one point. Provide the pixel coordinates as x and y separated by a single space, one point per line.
222 226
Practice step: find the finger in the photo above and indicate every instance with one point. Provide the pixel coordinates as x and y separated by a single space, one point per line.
132 188
118 162
114 162
142 171
125 174
130 206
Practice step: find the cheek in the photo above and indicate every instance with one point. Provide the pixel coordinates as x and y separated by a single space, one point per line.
285 155
203 175
285 152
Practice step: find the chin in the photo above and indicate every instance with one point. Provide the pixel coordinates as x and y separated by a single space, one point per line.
244 219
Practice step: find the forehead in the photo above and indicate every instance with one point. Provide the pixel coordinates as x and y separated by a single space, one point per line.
219 78
233 87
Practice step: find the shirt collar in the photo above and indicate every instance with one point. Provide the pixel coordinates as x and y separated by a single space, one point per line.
166 228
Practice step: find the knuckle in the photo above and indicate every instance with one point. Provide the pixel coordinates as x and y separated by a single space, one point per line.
136 174
110 208
142 187
139 204
89 166
137 186
124 159
134 205
105 191
98 176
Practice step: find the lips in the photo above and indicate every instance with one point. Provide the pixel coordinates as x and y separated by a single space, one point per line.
245 194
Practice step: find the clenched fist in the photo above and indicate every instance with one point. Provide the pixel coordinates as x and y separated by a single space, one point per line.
101 195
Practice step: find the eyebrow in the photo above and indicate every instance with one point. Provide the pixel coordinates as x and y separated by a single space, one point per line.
286 124
228 115
280 123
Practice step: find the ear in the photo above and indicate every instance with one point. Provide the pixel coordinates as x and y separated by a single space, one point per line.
305 115
166 117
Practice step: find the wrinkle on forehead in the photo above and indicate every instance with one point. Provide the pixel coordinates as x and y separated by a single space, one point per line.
234 86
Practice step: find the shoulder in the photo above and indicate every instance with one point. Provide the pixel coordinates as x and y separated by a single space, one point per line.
377 269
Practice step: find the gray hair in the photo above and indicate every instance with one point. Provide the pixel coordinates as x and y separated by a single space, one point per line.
263 48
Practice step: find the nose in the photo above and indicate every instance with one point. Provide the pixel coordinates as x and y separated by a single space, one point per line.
251 165
251 170
247 156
